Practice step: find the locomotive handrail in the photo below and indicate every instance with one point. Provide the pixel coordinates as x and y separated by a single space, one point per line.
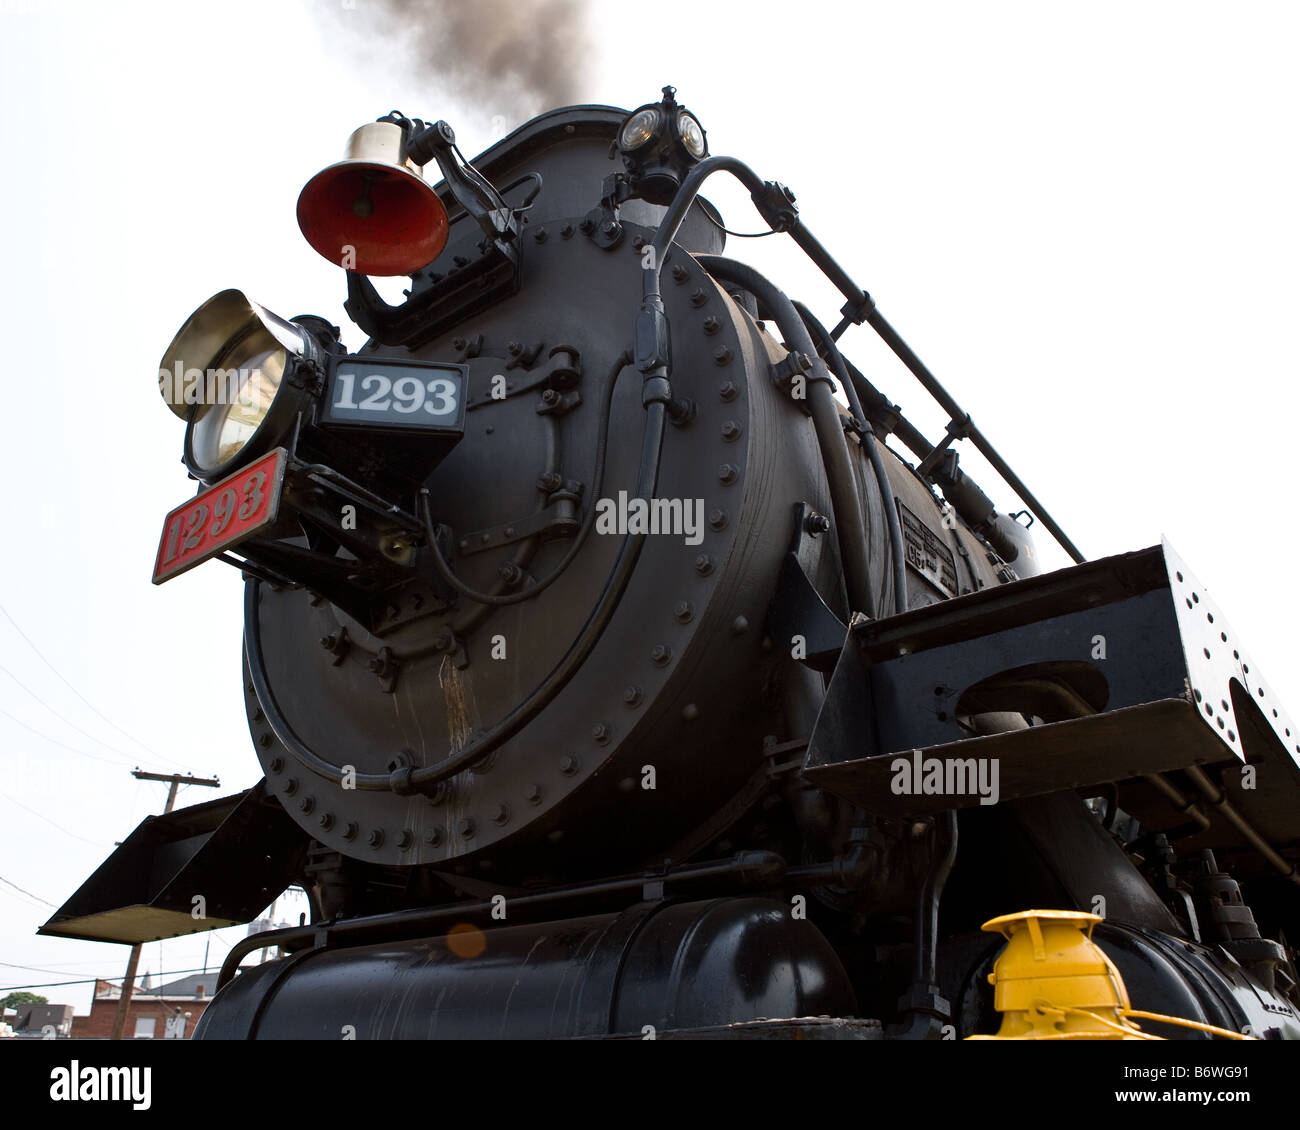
775 204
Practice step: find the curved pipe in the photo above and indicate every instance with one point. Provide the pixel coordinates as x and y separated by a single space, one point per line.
898 554
850 525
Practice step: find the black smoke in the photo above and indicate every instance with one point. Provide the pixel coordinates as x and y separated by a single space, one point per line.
507 59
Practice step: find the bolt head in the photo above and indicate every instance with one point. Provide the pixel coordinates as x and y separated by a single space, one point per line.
500 814
465 827
704 564
568 765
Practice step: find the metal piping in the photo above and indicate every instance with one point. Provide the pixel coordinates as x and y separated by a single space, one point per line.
898 554
850 525
1219 800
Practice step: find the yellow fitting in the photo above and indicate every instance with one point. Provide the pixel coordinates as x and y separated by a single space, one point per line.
1053 982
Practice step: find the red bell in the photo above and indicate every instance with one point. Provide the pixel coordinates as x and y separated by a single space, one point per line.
373 212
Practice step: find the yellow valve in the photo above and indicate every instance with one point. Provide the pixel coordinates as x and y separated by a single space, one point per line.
1053 982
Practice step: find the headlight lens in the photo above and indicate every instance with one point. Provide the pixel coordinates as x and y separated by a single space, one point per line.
225 374
691 134
638 129
222 429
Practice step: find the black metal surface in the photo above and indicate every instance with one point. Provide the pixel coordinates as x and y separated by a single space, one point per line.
666 966
1105 637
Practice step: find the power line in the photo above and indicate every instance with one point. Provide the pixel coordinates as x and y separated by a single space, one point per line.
22 899
29 894
51 823
55 741
94 980
83 698
61 718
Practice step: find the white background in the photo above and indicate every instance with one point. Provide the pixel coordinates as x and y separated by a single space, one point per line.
1081 215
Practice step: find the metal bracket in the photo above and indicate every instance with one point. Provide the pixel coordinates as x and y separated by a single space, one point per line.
545 524
797 608
1129 666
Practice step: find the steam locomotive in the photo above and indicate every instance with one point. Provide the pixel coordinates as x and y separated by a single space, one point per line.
610 677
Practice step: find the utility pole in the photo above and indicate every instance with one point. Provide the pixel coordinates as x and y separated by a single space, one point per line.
128 986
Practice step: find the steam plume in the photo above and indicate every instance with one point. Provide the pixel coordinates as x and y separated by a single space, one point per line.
507 58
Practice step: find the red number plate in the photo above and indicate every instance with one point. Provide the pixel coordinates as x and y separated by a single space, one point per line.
234 509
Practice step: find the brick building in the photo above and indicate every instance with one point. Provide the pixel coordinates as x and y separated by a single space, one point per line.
149 1011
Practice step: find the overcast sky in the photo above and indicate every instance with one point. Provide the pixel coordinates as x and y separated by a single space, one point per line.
1081 215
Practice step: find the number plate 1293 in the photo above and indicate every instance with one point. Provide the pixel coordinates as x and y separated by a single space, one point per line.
219 518
408 396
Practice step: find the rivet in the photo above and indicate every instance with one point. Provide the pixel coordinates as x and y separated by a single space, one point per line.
660 654
307 804
465 828
718 519
290 786
704 564
433 837
405 838
627 784
699 296
684 612
600 731
533 794
556 836
739 626
500 814
568 765
350 832
326 820
265 742
731 431
566 232
539 236
458 343
680 274
712 325
722 355
728 474
258 716
514 349
690 712
376 837
728 391
277 763
632 695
